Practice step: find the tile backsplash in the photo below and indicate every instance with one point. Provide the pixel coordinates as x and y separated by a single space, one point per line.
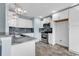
20 30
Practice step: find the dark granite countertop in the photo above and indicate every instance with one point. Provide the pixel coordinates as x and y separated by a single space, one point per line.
23 39
19 40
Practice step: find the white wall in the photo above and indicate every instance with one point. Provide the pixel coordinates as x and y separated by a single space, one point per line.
2 17
62 33
74 29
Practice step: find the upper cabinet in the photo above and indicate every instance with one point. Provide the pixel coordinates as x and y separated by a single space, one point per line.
60 15
55 16
12 19
15 21
41 24
45 20
74 16
24 23
63 15
74 29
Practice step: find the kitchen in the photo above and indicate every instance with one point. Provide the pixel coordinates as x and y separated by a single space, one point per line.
15 34
18 28
20 31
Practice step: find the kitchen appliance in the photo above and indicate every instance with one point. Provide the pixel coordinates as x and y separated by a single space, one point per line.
45 31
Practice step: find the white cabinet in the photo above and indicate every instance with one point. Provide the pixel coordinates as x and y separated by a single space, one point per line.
24 23
12 19
63 15
74 29
16 21
5 43
60 15
61 33
56 16
45 20
50 38
41 24
23 49
74 16
36 28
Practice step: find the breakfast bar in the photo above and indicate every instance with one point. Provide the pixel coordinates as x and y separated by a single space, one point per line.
22 46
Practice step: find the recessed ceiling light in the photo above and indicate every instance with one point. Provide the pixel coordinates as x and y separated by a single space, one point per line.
25 11
74 4
54 11
40 16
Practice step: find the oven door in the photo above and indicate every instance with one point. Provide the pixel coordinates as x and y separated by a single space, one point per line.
44 37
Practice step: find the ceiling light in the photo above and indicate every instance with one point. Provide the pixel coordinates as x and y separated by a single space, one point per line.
74 4
25 11
40 17
20 11
54 11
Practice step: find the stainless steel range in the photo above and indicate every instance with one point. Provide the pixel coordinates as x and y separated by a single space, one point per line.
44 37
44 32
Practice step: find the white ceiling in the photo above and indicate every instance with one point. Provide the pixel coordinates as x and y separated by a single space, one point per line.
42 9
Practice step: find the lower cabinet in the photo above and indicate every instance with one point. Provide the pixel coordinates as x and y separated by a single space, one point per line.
24 49
50 38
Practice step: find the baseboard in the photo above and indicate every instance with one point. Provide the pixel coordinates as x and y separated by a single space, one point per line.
62 45
73 51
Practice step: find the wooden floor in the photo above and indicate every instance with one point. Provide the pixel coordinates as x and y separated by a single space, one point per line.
43 49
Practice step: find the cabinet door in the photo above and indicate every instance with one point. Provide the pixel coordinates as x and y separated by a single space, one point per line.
6 46
74 29
41 24
24 23
63 14
12 19
23 49
60 15
56 16
74 16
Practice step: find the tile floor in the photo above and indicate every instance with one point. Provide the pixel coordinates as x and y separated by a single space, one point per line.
43 49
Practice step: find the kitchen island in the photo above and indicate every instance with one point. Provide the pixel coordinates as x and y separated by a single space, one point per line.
5 45
22 46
